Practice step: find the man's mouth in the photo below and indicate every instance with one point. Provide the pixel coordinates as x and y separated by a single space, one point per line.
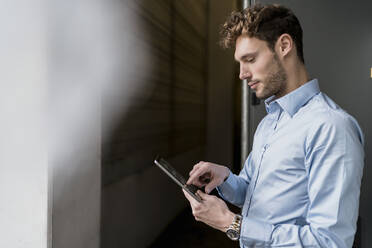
253 84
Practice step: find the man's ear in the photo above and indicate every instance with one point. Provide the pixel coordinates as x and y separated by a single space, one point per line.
284 45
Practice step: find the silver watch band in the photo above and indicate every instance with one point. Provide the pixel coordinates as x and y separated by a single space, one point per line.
233 231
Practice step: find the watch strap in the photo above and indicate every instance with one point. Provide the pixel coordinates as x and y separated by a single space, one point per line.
233 231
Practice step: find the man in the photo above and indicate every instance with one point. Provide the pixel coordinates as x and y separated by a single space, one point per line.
300 184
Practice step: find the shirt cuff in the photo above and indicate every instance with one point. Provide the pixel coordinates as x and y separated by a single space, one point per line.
228 189
255 232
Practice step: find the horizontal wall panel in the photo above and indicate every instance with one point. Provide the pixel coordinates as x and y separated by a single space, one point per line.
168 115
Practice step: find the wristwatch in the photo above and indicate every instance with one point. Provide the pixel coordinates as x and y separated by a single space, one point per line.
233 231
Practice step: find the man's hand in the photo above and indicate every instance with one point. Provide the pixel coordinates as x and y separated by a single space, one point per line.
208 174
212 211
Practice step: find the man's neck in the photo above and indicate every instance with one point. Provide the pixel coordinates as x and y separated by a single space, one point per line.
297 76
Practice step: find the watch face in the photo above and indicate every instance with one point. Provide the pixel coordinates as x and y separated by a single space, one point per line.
232 234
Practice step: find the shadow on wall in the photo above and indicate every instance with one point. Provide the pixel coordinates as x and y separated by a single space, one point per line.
86 58
166 117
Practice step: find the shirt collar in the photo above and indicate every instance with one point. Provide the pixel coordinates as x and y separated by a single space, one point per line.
294 100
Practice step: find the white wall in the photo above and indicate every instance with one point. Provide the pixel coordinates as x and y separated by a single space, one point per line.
82 66
23 153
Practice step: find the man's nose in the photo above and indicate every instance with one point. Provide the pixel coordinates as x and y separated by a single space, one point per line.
245 75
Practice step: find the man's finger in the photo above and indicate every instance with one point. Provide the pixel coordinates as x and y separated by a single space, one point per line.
188 197
206 177
191 199
209 187
198 184
196 167
195 176
202 195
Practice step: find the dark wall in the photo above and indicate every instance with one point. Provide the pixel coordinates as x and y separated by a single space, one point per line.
167 117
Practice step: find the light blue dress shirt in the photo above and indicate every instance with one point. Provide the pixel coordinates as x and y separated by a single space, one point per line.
300 184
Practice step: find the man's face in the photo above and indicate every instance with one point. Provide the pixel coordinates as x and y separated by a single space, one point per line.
260 66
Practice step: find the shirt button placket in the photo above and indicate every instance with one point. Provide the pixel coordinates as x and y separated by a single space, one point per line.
252 186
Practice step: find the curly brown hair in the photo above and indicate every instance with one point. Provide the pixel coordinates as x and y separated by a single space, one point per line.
265 22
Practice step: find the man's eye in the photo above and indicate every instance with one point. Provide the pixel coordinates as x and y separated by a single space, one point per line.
251 60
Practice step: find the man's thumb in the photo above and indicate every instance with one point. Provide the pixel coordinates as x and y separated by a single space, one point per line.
209 188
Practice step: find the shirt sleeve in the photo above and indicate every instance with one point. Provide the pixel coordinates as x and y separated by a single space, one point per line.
334 162
235 187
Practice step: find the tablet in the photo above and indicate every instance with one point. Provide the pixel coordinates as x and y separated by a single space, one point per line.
177 177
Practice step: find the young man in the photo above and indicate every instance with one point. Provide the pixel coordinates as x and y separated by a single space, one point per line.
300 184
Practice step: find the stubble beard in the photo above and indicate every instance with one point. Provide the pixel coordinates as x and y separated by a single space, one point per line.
275 82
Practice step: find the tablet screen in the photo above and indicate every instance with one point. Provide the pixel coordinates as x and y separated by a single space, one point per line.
177 177
171 170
